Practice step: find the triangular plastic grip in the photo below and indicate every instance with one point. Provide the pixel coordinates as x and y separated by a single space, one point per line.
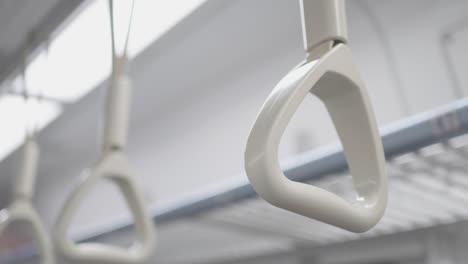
113 167
22 211
335 80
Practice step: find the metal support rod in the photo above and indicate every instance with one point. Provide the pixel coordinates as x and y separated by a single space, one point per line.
39 97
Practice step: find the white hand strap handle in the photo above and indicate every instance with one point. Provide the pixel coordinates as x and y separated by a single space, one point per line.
21 209
112 166
334 79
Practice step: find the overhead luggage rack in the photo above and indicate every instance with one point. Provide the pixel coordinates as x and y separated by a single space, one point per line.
427 162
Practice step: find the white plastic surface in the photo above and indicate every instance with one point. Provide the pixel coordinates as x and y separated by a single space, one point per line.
21 210
335 80
114 167
117 109
27 171
322 21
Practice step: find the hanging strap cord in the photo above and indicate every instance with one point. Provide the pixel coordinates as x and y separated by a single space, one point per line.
29 151
119 92
114 167
22 209
124 55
